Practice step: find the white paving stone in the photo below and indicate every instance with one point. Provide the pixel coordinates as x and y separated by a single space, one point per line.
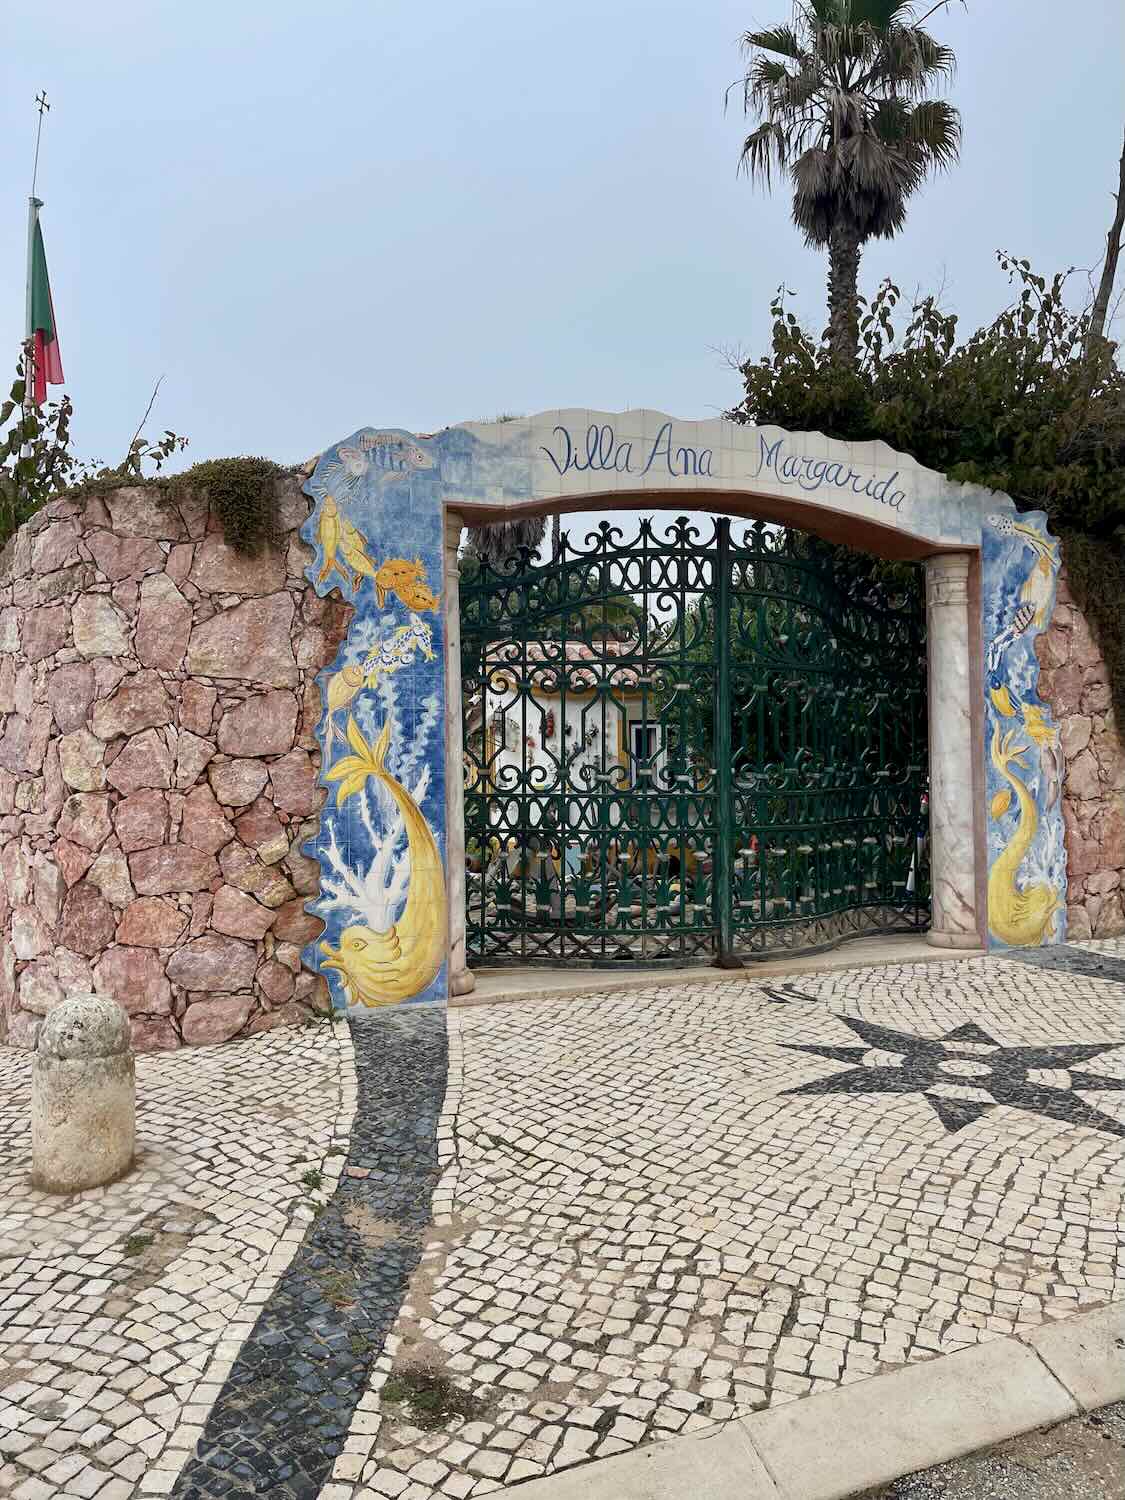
120 1307
635 1210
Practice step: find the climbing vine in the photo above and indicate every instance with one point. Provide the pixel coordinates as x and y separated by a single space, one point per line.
1019 406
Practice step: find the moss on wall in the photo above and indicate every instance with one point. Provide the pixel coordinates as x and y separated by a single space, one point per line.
241 494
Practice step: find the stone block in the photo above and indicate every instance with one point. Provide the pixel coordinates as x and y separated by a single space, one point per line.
172 867
237 782
1082 781
140 511
219 569
99 628
55 547
82 761
208 1021
110 873
88 921
141 702
163 624
1087 1354
44 631
261 830
213 963
293 784
145 761
135 978
153 1034
197 707
295 925
83 1097
1074 734
262 725
193 755
204 826
85 819
123 557
249 642
151 922
238 915
141 821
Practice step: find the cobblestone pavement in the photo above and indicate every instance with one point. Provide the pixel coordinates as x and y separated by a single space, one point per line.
573 1227
121 1310
670 1208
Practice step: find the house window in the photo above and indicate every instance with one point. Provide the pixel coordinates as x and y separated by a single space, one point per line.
643 745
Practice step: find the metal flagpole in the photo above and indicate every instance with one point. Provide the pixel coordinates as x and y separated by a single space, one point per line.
33 206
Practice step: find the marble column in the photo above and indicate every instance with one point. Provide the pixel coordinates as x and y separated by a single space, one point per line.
461 978
955 920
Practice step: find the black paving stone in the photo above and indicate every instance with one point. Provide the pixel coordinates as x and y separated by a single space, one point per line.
1083 961
281 1418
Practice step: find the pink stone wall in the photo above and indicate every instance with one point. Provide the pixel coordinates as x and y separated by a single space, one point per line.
158 767
1073 681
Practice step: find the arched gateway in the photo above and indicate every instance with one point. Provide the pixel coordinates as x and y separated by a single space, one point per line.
389 510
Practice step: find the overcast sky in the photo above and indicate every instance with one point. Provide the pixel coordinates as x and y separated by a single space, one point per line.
308 218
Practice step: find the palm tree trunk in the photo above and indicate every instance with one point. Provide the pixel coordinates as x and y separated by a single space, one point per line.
556 537
843 294
1100 310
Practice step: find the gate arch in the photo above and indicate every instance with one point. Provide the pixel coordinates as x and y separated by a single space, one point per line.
389 507
691 745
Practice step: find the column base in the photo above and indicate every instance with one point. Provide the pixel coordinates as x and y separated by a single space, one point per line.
954 940
463 983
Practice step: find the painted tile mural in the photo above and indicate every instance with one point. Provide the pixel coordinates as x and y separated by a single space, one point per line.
1026 853
377 531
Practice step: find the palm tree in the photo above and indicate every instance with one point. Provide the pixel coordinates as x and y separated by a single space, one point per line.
840 96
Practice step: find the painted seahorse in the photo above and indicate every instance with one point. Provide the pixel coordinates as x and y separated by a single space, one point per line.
1019 918
380 968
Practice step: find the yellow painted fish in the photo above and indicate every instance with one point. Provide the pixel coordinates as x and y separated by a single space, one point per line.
380 968
353 544
328 534
341 689
344 547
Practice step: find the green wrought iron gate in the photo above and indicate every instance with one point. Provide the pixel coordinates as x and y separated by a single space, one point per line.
685 748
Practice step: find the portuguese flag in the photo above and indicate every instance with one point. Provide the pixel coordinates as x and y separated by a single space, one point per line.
42 330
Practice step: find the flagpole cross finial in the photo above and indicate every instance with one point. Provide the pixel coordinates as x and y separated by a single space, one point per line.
44 107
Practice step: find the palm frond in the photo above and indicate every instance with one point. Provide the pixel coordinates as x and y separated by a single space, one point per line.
762 150
910 62
934 128
780 39
880 14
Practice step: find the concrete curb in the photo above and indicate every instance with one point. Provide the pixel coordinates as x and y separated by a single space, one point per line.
852 1439
507 986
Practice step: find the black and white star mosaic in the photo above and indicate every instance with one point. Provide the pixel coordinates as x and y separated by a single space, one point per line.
965 1073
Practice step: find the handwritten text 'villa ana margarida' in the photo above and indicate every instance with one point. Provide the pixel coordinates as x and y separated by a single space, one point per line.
604 452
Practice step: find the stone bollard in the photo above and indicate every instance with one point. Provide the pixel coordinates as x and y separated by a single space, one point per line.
83 1096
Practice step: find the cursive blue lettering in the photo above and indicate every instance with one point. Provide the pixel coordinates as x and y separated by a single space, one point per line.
602 451
565 460
661 445
810 474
